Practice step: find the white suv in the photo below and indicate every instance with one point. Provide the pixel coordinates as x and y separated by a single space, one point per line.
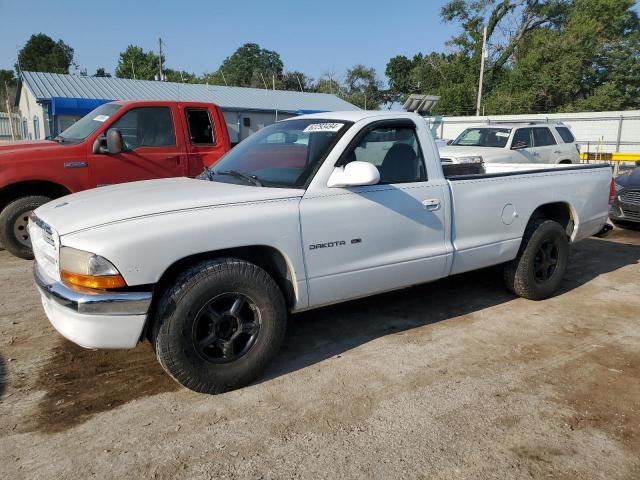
513 143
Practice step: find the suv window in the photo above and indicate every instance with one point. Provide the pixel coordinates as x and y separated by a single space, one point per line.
200 127
543 137
396 153
522 138
565 133
146 127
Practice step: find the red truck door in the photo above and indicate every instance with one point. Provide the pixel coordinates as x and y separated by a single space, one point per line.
206 134
154 148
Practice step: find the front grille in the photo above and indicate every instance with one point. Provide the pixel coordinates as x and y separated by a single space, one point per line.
44 246
632 197
630 214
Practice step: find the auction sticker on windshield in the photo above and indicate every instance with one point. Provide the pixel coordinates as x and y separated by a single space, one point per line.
502 134
323 127
101 118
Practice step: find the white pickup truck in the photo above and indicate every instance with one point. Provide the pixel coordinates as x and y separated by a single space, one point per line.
307 212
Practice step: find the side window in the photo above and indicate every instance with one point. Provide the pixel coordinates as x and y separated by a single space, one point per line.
200 127
396 153
146 127
565 134
542 137
522 138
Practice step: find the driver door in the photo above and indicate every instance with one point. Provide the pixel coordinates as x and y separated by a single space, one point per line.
363 240
151 150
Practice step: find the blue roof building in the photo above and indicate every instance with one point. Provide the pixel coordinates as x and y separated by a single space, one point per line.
50 102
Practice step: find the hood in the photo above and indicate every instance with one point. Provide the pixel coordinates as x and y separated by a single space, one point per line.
630 179
491 154
29 150
103 205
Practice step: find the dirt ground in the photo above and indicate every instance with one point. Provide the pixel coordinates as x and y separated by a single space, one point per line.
455 379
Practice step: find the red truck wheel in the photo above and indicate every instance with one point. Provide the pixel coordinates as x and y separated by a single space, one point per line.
14 218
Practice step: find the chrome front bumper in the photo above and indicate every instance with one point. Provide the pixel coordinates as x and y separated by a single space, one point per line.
89 302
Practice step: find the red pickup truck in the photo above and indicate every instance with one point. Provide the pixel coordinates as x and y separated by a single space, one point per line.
115 143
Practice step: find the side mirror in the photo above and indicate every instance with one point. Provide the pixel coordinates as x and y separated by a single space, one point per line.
99 145
449 142
354 174
115 144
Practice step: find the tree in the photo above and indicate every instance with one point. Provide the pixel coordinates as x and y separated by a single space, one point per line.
294 80
8 84
42 54
545 56
102 73
135 63
250 66
363 87
401 81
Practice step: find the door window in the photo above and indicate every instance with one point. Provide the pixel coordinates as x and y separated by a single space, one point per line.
200 127
522 138
146 127
396 153
542 137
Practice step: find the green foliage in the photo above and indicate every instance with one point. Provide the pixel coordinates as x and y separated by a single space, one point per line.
42 54
363 87
545 56
250 66
102 73
135 63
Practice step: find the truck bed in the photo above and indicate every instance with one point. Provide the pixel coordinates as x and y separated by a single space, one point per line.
490 211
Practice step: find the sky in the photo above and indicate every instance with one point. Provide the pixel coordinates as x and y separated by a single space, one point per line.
311 36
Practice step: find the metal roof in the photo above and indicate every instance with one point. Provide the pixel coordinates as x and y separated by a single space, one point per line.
44 86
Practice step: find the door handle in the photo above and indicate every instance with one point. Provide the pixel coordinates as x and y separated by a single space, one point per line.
557 151
431 204
173 158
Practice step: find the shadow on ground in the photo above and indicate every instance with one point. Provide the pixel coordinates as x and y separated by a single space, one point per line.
80 383
320 334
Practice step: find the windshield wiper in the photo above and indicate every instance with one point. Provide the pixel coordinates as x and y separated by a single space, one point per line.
252 179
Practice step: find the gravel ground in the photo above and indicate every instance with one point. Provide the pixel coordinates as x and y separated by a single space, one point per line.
455 379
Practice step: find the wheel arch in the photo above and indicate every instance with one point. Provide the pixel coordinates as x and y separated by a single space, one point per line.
561 212
13 191
269 258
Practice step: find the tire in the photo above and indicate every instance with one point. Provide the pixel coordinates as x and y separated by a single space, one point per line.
200 306
533 273
13 226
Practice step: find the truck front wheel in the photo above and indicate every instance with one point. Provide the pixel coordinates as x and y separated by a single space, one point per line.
219 325
541 262
14 219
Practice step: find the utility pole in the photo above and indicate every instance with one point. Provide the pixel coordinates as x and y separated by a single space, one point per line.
6 91
160 60
484 54
273 79
299 83
263 81
223 79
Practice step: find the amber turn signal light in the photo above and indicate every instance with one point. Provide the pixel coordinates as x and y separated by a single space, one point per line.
103 282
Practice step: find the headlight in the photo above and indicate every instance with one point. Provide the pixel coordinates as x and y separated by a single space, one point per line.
473 159
86 269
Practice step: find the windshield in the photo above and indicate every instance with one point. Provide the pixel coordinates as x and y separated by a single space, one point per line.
484 137
90 122
284 154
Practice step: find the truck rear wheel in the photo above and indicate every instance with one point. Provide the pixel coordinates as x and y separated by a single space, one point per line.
14 218
219 325
541 262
